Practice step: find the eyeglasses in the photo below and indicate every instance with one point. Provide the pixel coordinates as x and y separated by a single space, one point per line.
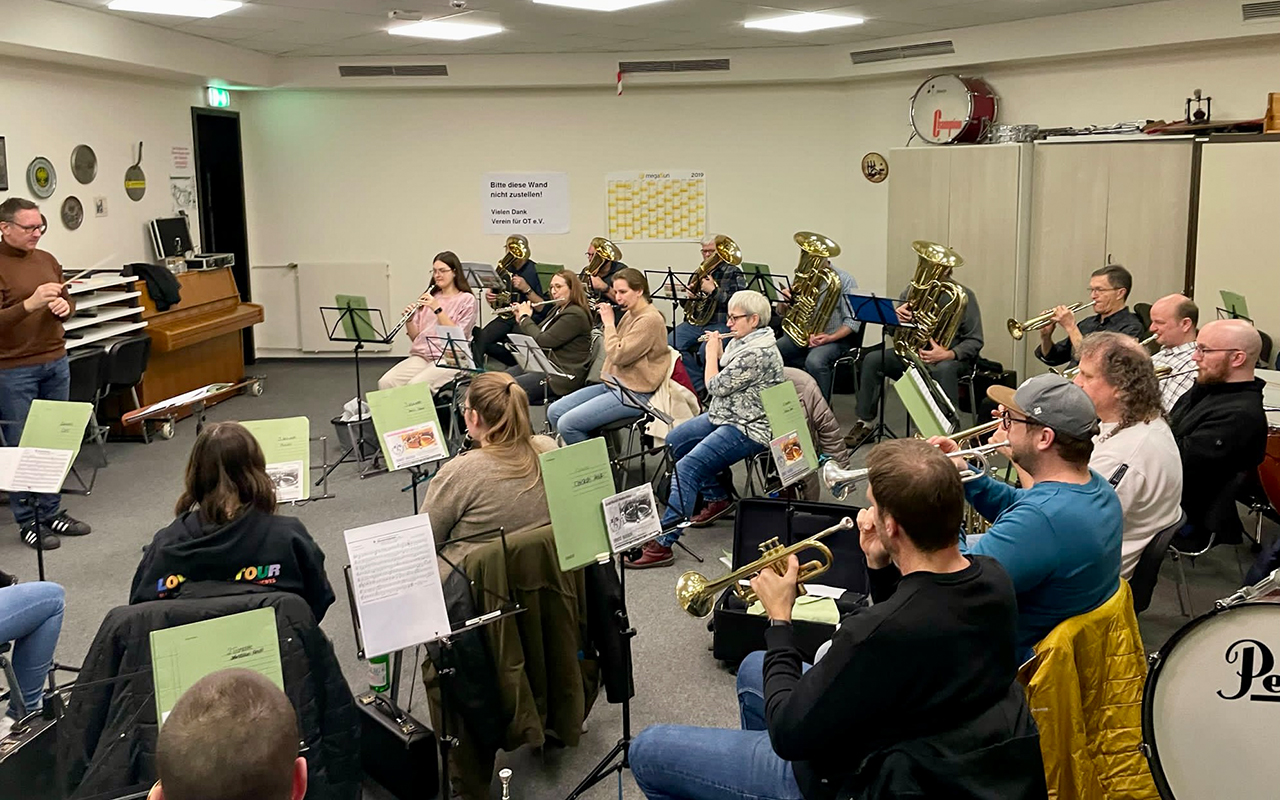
42 227
1007 419
1093 290
736 317
1201 349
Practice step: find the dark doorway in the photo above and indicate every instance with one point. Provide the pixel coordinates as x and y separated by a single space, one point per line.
220 185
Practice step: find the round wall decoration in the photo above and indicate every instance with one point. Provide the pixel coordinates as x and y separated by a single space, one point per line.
72 213
84 163
41 177
875 168
135 180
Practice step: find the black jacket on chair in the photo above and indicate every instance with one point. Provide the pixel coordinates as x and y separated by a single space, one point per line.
1221 432
107 740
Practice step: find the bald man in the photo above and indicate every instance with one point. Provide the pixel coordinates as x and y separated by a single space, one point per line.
1221 431
1173 321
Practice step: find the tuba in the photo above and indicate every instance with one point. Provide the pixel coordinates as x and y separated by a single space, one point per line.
699 309
606 253
937 304
517 253
815 290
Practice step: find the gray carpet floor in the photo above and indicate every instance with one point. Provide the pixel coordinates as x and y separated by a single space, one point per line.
676 677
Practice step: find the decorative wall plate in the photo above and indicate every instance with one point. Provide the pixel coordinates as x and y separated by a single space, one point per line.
84 163
72 213
874 167
41 177
135 180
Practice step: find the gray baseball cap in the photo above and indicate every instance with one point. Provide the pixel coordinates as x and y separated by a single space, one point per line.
1054 402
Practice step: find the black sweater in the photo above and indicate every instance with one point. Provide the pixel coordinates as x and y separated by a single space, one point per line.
933 652
1221 432
260 548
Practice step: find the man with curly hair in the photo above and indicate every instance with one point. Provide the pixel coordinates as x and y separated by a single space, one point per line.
1135 449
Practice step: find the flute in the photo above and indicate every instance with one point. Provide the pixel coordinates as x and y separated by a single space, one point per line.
511 309
704 337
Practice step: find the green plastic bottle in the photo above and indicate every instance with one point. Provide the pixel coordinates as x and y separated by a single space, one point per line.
380 673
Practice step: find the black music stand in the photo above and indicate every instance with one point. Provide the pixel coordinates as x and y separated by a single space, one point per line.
763 282
675 285
874 309
354 325
536 360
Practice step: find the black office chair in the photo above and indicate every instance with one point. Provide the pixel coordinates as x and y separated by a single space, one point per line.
88 367
1145 575
127 359
1264 358
1143 312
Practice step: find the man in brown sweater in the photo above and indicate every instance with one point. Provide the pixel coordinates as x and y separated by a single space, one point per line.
33 356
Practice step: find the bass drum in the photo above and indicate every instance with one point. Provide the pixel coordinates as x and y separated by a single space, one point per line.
1212 703
952 108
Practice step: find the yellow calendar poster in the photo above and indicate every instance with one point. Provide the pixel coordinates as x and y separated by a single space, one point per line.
668 206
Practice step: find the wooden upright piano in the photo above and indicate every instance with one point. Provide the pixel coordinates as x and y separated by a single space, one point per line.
198 341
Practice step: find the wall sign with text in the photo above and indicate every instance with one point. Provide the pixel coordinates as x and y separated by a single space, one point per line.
525 202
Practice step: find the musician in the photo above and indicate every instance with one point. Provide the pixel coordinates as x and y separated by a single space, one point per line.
1060 539
1109 288
907 688
1173 321
449 302
565 332
835 340
945 364
635 354
1134 450
227 530
601 283
723 282
733 428
499 483
528 289
33 354
1221 432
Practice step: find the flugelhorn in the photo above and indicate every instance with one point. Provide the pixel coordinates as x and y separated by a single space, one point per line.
697 595
842 481
1019 329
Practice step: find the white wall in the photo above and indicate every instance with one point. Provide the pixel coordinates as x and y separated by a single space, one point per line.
48 111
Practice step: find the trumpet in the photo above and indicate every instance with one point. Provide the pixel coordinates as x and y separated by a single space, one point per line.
1019 329
842 481
511 309
697 595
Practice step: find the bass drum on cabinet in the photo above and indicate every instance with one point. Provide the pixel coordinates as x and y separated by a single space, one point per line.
952 108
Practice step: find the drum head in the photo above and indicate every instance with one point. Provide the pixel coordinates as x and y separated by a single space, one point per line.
1211 704
941 108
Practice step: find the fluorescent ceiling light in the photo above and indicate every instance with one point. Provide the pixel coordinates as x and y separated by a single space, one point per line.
453 30
177 8
596 5
804 22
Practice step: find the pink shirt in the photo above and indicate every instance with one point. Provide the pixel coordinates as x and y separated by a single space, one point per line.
461 308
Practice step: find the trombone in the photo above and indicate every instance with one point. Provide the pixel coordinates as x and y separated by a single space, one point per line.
977 464
697 595
1019 329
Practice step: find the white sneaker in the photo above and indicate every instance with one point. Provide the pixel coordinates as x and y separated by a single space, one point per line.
6 725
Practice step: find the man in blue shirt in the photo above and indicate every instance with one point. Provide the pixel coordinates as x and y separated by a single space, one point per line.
818 358
1060 539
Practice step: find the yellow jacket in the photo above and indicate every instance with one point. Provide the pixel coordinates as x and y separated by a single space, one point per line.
1084 686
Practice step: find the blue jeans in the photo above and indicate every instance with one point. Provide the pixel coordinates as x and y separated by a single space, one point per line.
578 416
876 364
682 762
817 361
701 450
31 618
18 387
692 352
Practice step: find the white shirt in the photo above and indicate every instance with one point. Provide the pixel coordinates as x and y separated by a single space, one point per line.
1150 490
1179 360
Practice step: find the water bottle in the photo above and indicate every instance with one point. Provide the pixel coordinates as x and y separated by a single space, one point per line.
380 673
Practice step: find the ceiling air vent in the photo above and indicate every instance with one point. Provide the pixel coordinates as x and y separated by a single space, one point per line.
905 51
1256 11
695 65
393 70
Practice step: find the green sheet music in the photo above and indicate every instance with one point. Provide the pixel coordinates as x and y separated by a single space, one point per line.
785 412
577 479
56 425
922 414
407 425
357 322
286 446
1235 304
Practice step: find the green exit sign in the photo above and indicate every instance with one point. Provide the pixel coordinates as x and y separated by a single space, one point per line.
218 98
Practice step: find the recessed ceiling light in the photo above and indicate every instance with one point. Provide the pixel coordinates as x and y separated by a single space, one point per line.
804 22
596 5
176 8
451 29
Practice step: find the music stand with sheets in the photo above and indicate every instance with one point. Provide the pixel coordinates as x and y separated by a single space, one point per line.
351 320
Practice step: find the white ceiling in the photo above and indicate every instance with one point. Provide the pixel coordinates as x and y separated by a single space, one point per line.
307 28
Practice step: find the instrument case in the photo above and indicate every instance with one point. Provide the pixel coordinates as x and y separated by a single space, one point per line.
735 633
28 761
397 751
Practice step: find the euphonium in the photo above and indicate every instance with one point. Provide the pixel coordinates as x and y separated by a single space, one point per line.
517 253
697 595
1019 329
937 303
699 309
606 253
815 292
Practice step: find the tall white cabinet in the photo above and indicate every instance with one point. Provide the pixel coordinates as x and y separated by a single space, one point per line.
976 200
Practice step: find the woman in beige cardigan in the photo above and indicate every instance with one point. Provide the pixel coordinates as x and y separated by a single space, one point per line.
499 483
635 356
